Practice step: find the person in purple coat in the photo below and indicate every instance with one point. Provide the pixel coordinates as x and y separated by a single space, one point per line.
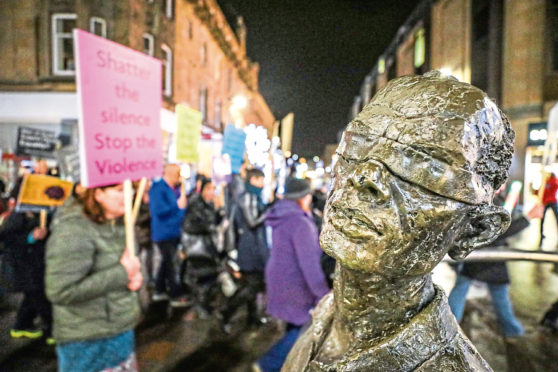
294 279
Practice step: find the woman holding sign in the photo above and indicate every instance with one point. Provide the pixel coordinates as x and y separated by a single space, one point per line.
91 281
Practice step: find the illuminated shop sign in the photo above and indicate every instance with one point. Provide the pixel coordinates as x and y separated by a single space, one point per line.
537 134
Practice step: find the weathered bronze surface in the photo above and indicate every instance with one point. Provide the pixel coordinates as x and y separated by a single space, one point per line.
415 179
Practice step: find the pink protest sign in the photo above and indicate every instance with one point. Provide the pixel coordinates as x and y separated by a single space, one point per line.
119 101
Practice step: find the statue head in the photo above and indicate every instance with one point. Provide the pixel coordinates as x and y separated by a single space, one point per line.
416 173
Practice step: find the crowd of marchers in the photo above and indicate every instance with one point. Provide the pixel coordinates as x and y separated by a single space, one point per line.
218 251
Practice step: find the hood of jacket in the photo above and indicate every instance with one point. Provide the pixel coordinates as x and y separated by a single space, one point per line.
283 212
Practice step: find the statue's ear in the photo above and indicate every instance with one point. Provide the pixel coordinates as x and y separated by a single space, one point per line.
483 225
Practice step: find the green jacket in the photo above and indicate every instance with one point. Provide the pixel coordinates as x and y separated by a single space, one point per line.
85 281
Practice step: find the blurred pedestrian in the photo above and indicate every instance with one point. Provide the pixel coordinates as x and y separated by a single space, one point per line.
252 249
168 207
143 237
24 241
549 200
205 213
495 275
200 178
294 279
92 280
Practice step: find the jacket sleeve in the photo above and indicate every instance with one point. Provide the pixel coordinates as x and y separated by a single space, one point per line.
249 208
308 252
14 224
160 205
69 259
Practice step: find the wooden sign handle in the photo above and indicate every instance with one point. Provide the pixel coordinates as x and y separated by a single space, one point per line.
183 186
42 219
137 202
128 218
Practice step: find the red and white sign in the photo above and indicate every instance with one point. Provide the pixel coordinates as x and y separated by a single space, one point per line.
119 105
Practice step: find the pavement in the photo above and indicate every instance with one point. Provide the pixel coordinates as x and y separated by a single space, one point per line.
168 340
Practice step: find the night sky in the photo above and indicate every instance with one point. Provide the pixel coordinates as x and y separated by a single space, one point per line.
314 55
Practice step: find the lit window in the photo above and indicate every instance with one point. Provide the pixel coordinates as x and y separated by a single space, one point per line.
381 65
148 44
169 8
62 44
167 70
420 49
98 26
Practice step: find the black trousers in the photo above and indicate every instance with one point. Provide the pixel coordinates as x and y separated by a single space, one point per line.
168 275
554 208
251 283
34 304
552 313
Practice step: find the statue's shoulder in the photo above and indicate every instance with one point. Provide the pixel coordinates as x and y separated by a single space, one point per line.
310 342
458 356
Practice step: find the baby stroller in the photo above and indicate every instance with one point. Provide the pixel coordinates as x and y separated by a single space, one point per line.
200 271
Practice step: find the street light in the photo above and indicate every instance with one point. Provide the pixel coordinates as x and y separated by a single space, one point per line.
240 102
237 104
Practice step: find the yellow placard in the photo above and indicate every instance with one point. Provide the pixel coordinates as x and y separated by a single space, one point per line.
205 161
44 191
188 133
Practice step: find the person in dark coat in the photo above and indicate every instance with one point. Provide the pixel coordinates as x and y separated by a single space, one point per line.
294 279
203 213
495 275
252 248
200 270
24 242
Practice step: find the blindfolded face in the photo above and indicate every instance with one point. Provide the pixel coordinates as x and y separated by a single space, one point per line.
377 222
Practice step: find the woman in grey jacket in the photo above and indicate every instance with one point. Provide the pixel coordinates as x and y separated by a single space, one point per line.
91 282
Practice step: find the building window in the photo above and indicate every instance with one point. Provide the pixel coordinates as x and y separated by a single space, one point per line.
218 115
381 65
204 54
229 80
553 24
203 103
62 44
190 30
420 49
391 68
148 44
169 4
167 70
98 26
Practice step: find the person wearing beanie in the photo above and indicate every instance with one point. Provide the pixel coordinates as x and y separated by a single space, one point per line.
294 279
296 189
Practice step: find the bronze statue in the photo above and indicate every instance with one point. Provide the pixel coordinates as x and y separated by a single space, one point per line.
416 174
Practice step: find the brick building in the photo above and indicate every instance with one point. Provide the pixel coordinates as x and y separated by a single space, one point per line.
205 65
507 48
